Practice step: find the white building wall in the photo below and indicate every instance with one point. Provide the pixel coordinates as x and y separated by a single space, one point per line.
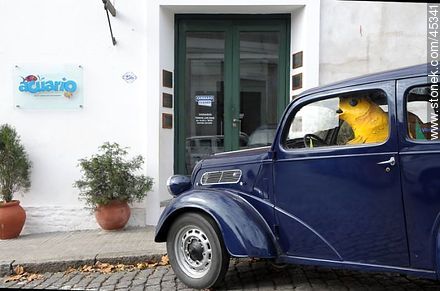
76 31
365 37
166 57
339 39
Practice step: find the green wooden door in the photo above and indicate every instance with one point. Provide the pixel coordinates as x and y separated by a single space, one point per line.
231 84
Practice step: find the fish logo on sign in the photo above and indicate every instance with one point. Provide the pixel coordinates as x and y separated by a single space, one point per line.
30 78
205 100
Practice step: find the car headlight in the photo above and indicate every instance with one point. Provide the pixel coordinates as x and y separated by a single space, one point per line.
177 184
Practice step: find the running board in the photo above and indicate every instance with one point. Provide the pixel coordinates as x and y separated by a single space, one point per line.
357 266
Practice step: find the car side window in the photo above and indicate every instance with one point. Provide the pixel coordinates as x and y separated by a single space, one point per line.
422 114
342 120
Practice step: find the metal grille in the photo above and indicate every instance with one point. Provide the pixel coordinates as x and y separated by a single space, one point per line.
221 177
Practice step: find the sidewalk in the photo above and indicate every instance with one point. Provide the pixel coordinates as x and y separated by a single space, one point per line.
51 252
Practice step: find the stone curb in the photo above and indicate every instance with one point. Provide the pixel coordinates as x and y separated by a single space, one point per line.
62 265
5 268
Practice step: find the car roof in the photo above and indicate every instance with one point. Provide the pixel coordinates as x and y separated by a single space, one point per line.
402 73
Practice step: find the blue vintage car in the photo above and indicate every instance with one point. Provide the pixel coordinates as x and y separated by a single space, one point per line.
351 180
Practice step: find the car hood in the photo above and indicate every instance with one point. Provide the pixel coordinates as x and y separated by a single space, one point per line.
240 156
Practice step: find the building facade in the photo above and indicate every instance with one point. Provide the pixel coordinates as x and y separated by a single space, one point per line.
185 79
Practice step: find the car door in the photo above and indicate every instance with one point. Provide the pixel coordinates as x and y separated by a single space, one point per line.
341 201
420 166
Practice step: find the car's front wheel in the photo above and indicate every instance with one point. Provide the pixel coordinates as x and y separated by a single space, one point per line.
196 251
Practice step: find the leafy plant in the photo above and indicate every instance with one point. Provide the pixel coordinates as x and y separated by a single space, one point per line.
110 176
14 164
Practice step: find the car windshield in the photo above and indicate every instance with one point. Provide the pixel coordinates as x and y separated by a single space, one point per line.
262 136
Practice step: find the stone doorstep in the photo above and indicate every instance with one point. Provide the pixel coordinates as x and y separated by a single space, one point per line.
6 268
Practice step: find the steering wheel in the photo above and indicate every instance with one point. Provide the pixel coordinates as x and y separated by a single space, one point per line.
309 138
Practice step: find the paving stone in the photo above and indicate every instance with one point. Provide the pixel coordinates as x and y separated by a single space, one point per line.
180 285
169 277
303 288
168 285
153 281
35 283
127 280
137 288
143 275
85 281
8 284
152 288
97 282
74 280
113 280
51 280
160 272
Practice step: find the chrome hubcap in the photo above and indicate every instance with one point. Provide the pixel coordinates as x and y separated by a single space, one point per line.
193 251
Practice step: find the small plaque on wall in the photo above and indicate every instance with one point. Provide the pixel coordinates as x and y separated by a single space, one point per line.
167 120
297 81
167 79
167 100
48 86
297 60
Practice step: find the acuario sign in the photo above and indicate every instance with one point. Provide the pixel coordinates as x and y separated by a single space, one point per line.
36 84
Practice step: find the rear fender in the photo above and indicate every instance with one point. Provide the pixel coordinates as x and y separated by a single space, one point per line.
245 232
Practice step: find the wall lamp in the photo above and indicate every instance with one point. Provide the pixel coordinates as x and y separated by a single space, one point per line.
108 7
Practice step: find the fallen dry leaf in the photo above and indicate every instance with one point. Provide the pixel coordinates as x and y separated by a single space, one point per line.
87 268
34 277
106 268
120 267
21 275
19 270
164 260
70 270
142 266
152 265
13 278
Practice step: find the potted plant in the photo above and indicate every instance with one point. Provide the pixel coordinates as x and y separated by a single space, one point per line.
14 177
109 182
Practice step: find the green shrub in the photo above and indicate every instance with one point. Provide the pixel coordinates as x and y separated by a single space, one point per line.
109 176
15 167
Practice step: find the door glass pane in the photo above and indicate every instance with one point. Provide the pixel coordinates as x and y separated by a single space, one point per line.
349 119
204 96
259 61
422 115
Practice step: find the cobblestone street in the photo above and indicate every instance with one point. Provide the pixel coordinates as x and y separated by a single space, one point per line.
242 275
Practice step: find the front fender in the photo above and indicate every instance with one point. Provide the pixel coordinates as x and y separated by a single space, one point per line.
244 231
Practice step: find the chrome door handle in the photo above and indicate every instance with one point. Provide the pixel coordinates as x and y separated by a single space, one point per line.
391 162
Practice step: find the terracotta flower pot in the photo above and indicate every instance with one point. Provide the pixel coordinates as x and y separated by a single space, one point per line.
12 218
113 216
